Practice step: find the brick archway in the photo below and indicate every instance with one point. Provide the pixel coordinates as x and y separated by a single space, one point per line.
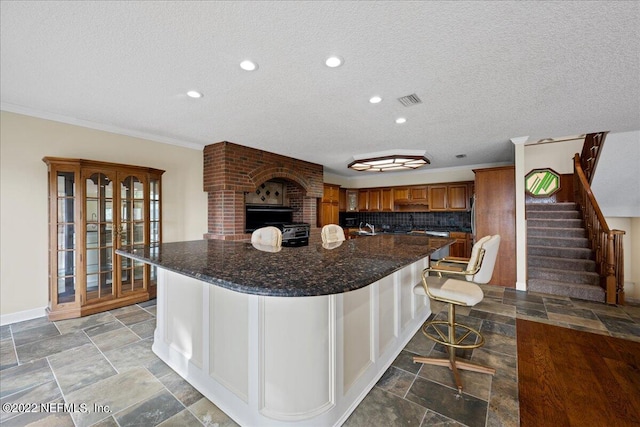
230 170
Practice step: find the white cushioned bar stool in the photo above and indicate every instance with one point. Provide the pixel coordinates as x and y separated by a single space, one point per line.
332 233
267 236
454 292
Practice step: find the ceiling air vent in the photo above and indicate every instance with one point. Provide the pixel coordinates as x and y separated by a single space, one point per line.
410 100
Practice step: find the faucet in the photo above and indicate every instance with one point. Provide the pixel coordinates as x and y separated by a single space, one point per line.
373 229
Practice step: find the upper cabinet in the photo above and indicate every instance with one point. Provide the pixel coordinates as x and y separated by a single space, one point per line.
386 200
352 200
414 198
415 195
331 193
449 197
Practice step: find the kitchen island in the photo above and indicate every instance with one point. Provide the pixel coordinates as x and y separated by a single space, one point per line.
295 336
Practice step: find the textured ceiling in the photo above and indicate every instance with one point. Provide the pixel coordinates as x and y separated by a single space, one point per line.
485 71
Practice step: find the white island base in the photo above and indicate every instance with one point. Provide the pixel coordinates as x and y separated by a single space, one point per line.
283 361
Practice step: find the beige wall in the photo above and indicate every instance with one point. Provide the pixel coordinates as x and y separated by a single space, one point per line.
631 248
556 155
24 141
634 249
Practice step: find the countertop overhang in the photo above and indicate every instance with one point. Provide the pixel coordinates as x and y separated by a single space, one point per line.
293 271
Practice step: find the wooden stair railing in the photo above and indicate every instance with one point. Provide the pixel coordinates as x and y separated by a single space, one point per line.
606 243
591 152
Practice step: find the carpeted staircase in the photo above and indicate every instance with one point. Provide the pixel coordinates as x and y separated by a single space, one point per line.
559 260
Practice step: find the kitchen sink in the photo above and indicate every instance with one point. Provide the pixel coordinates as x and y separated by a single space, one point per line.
365 233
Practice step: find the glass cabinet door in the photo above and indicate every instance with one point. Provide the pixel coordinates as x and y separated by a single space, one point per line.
132 231
154 224
99 235
65 258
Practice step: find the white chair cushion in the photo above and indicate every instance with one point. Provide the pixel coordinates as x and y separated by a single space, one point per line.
459 291
332 233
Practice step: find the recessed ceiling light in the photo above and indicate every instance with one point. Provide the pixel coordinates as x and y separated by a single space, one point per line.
401 120
333 61
461 156
194 94
375 99
248 65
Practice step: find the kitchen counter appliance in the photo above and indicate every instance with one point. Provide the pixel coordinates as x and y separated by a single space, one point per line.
294 233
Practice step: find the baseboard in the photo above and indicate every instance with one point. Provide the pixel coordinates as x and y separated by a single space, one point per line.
21 316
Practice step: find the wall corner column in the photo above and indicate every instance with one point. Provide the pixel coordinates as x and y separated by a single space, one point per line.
521 222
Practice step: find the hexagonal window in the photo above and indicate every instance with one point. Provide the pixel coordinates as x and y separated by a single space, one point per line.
542 182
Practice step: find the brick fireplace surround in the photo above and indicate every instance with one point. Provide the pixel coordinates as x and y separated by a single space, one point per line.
231 170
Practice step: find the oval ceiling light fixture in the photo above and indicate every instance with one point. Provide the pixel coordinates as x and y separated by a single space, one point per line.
375 99
334 61
401 120
194 94
248 65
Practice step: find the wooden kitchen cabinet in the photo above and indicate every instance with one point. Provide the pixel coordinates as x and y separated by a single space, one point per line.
414 195
449 197
375 200
437 197
342 200
331 193
495 214
329 209
95 208
419 194
386 204
458 197
363 200
400 194
460 248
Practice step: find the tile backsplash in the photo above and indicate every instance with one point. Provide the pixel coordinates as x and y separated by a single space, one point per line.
419 220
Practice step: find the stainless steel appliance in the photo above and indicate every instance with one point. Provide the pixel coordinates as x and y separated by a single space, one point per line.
294 233
440 253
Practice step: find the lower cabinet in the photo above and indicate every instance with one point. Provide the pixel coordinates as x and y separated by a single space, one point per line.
462 246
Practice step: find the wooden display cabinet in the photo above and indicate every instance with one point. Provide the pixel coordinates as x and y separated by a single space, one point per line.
95 208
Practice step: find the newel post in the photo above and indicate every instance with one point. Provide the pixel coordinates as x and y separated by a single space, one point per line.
610 273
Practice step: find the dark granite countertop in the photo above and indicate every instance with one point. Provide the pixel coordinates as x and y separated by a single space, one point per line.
293 271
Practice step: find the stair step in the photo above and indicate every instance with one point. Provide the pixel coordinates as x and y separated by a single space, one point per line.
586 292
564 206
565 242
560 252
553 274
554 223
571 264
555 232
553 215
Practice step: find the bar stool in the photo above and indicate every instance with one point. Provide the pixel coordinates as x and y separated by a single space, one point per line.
456 292
332 233
267 236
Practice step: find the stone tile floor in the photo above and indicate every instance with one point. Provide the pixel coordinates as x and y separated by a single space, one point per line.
103 367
